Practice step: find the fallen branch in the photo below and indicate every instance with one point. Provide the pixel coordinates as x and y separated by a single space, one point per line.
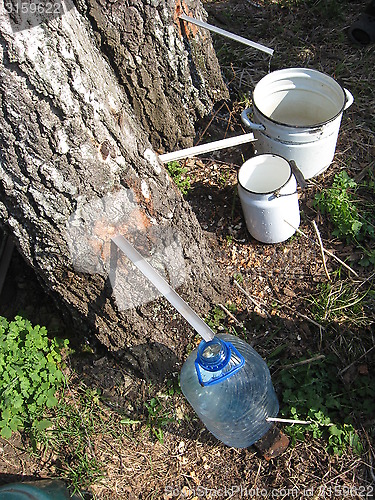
326 251
321 250
299 314
252 300
303 362
356 361
239 323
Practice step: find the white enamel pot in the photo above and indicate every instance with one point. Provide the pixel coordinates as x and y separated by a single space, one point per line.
297 114
267 189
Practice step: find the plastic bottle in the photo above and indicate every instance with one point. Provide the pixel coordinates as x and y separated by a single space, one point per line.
36 490
229 386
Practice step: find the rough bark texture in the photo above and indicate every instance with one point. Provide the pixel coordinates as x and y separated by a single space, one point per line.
168 68
69 135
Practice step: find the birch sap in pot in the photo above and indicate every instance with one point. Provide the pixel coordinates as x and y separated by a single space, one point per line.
297 114
268 193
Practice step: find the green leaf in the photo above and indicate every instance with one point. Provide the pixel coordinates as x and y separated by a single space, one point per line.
356 226
17 402
6 414
6 432
277 351
32 408
15 423
35 377
43 424
158 432
335 431
129 421
51 401
41 399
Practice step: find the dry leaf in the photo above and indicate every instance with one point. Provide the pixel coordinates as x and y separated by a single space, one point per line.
289 293
363 370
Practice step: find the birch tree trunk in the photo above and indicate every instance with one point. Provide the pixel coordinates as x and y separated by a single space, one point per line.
168 68
82 97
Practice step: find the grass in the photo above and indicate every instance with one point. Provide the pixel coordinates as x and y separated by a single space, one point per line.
344 208
81 424
349 207
342 302
75 422
178 174
70 417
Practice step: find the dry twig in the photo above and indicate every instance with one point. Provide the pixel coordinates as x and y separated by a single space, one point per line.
239 323
326 251
299 314
303 362
321 250
356 361
251 299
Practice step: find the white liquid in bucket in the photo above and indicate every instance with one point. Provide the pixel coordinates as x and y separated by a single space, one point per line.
300 108
296 114
302 100
268 193
264 174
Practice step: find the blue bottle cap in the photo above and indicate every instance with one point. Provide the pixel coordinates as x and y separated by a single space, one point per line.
214 355
216 361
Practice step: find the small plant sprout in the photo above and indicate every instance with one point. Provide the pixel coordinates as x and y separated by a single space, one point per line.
342 205
338 203
158 410
178 174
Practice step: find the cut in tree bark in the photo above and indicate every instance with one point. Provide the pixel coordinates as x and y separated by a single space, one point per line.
168 68
69 135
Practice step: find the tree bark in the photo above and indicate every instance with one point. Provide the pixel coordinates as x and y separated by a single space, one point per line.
168 68
69 136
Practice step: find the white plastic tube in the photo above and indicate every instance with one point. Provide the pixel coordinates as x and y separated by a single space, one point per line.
288 421
228 34
206 148
164 288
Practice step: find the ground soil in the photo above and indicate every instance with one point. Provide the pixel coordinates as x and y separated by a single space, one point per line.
281 281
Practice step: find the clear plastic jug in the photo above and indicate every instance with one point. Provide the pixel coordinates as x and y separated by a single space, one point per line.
229 386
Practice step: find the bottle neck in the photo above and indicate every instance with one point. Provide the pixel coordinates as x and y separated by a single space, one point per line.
213 355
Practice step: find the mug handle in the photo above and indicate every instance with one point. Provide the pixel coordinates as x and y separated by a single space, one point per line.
298 174
349 99
246 121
